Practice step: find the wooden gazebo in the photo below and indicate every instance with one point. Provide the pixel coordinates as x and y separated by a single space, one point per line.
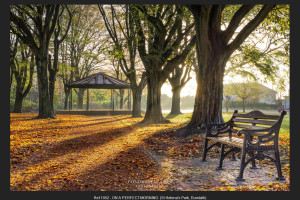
100 81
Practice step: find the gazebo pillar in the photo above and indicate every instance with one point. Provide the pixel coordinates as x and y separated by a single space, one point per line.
87 99
112 100
129 99
70 100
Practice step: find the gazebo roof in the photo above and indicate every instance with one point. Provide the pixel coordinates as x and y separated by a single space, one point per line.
99 81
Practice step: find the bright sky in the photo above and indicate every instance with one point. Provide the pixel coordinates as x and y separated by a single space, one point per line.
190 88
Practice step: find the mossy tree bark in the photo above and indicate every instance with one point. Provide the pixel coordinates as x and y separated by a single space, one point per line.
162 31
44 18
214 47
21 76
53 69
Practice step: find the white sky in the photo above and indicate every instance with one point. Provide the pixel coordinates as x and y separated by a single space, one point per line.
190 87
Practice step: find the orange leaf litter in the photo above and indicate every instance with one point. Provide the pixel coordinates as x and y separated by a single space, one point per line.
75 152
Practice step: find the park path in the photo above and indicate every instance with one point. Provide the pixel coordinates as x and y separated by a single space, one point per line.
193 174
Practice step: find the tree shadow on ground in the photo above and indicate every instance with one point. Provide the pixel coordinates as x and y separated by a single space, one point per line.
185 132
81 143
73 126
130 170
77 145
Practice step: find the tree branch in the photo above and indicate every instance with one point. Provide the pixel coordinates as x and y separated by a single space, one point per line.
177 23
178 59
69 25
141 40
216 13
235 21
249 28
27 38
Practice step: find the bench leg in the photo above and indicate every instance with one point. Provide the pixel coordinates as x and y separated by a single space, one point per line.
253 161
233 158
205 150
278 165
242 167
221 157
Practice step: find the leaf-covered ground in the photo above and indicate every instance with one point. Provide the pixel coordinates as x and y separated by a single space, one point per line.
104 153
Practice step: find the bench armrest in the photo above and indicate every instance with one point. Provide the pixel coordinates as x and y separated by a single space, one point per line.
262 135
219 128
253 132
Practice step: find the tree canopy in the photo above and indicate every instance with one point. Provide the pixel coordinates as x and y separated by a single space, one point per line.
148 44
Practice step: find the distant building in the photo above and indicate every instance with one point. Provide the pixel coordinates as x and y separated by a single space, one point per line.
270 95
286 102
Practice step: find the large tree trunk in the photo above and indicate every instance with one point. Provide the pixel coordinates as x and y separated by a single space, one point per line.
51 89
136 103
153 111
137 91
209 96
214 47
175 110
67 94
211 65
21 79
52 72
18 102
45 110
52 78
80 95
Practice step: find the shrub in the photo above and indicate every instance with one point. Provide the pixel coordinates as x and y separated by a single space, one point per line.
29 106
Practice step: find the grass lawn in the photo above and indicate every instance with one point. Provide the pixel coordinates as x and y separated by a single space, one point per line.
100 153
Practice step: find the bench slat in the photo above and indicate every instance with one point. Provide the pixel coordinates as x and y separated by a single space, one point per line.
254 121
233 141
249 115
248 126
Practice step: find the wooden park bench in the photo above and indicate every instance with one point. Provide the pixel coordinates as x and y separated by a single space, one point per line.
241 133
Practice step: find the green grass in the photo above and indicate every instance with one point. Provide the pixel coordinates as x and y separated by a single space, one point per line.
285 126
182 118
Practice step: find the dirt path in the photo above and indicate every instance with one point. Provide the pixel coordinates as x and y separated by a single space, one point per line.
192 174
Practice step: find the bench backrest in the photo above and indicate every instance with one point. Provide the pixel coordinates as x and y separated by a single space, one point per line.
256 120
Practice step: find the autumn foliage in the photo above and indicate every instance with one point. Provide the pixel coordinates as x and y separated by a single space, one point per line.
102 153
